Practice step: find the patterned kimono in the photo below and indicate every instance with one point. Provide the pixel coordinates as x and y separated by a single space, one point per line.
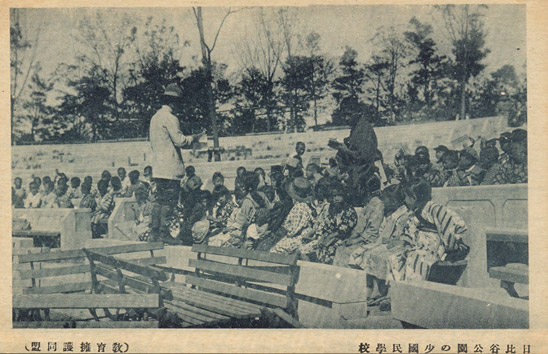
511 172
143 223
104 208
341 224
222 214
88 201
365 232
299 223
375 257
432 233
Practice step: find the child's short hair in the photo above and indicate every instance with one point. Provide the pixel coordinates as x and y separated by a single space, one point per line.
102 186
450 156
85 188
240 169
420 189
190 170
134 175
217 175
218 192
106 175
259 170
88 179
18 179
116 183
33 185
75 181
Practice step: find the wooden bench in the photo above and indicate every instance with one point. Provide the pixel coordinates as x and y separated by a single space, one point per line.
132 280
513 268
47 292
237 288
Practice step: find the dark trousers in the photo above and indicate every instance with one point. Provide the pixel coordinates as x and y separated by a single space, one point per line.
167 195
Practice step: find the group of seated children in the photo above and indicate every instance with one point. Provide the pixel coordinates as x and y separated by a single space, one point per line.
63 192
478 163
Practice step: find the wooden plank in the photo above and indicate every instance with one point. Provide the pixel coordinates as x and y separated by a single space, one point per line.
185 317
30 233
241 271
222 305
506 235
250 294
52 272
63 288
509 274
183 291
86 324
241 305
85 301
60 255
200 311
149 260
220 308
247 254
186 311
131 282
127 265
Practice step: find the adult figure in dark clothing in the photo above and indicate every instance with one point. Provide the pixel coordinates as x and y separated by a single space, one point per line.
356 156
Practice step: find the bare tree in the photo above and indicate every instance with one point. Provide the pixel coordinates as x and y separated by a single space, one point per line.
465 31
263 51
23 44
107 44
392 48
208 65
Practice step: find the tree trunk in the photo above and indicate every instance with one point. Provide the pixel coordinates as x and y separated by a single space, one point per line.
206 60
463 97
315 113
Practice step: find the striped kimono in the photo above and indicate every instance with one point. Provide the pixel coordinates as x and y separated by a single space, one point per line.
104 208
430 234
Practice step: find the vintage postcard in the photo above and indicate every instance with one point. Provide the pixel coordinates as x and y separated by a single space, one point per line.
254 177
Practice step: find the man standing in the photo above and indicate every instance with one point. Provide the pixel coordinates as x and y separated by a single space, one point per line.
166 139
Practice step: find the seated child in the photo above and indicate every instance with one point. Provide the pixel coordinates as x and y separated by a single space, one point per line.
62 200
19 193
143 213
134 184
74 190
34 199
93 191
49 199
104 209
223 208
116 186
88 200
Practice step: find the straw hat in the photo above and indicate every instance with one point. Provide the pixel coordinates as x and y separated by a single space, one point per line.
200 229
173 90
301 190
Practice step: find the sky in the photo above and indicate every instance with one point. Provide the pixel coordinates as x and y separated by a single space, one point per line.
338 26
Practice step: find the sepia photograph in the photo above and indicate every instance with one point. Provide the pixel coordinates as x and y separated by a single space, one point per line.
254 167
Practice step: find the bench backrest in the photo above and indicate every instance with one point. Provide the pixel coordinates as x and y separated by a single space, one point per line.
263 278
114 275
73 263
